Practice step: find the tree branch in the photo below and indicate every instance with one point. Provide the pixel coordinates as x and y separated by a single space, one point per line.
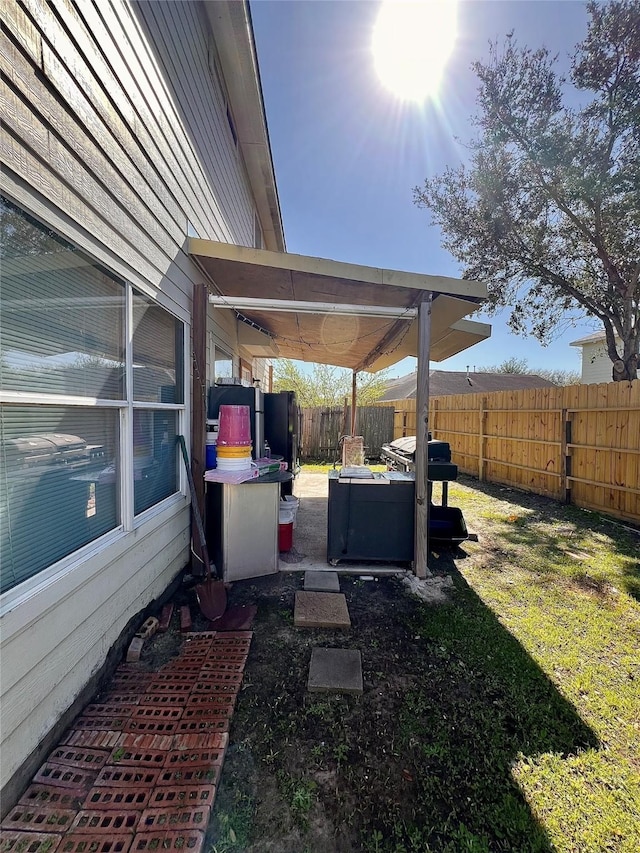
609 266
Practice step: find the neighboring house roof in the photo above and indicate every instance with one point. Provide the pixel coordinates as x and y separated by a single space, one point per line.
403 388
588 339
594 338
445 382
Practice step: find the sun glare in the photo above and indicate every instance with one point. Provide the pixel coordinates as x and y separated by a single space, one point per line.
411 44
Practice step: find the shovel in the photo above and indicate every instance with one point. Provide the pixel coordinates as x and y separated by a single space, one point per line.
211 594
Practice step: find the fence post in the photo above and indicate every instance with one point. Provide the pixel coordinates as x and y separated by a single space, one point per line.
481 437
565 454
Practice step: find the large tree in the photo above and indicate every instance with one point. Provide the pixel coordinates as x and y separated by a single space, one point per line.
325 385
548 210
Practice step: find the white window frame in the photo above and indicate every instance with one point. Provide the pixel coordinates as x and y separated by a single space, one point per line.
222 350
129 522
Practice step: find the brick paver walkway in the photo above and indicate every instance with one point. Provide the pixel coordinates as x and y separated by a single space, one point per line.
138 772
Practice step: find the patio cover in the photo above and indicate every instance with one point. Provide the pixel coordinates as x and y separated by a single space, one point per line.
351 316
379 325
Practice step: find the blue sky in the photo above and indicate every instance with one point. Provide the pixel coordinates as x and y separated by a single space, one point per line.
347 152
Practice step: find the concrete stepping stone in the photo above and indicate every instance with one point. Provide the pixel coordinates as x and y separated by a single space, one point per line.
321 582
335 670
321 610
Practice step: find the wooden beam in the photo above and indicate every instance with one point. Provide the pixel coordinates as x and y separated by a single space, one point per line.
198 400
353 402
421 539
395 334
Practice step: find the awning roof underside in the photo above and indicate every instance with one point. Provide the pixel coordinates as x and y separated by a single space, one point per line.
355 341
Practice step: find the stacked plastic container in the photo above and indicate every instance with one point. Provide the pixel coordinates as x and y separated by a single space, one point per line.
211 444
286 522
233 450
289 504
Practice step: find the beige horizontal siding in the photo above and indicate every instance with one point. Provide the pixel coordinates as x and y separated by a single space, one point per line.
48 658
100 147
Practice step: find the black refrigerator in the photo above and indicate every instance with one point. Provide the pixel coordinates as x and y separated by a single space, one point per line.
282 430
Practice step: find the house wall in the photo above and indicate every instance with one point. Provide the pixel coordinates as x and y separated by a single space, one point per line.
596 364
95 145
259 368
195 83
223 334
185 50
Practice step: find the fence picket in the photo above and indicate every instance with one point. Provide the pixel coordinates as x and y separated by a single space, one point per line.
322 428
577 443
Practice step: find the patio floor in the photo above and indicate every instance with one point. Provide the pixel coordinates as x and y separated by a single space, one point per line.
309 551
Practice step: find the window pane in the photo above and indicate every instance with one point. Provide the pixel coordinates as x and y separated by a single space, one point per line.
157 353
154 457
59 471
62 315
223 365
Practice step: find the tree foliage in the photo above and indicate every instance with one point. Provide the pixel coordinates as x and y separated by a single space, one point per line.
326 385
560 377
509 365
548 210
521 366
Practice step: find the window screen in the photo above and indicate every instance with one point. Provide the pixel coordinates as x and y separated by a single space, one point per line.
223 364
157 353
155 474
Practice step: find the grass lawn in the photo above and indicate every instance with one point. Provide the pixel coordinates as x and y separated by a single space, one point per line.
565 583
505 719
325 467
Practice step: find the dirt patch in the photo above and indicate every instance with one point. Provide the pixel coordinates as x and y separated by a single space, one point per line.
314 765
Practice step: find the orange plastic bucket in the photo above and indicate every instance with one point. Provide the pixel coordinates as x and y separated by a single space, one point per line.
233 451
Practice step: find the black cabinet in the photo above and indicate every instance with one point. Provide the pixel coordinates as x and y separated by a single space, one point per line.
374 519
370 519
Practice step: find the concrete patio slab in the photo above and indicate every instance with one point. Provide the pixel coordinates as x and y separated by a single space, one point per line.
310 534
321 610
335 670
321 582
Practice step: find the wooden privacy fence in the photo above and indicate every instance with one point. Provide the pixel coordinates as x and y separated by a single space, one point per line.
579 444
322 428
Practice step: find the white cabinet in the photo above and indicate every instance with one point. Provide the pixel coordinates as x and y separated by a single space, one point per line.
242 528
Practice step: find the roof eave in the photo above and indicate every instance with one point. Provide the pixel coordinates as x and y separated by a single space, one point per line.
232 31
